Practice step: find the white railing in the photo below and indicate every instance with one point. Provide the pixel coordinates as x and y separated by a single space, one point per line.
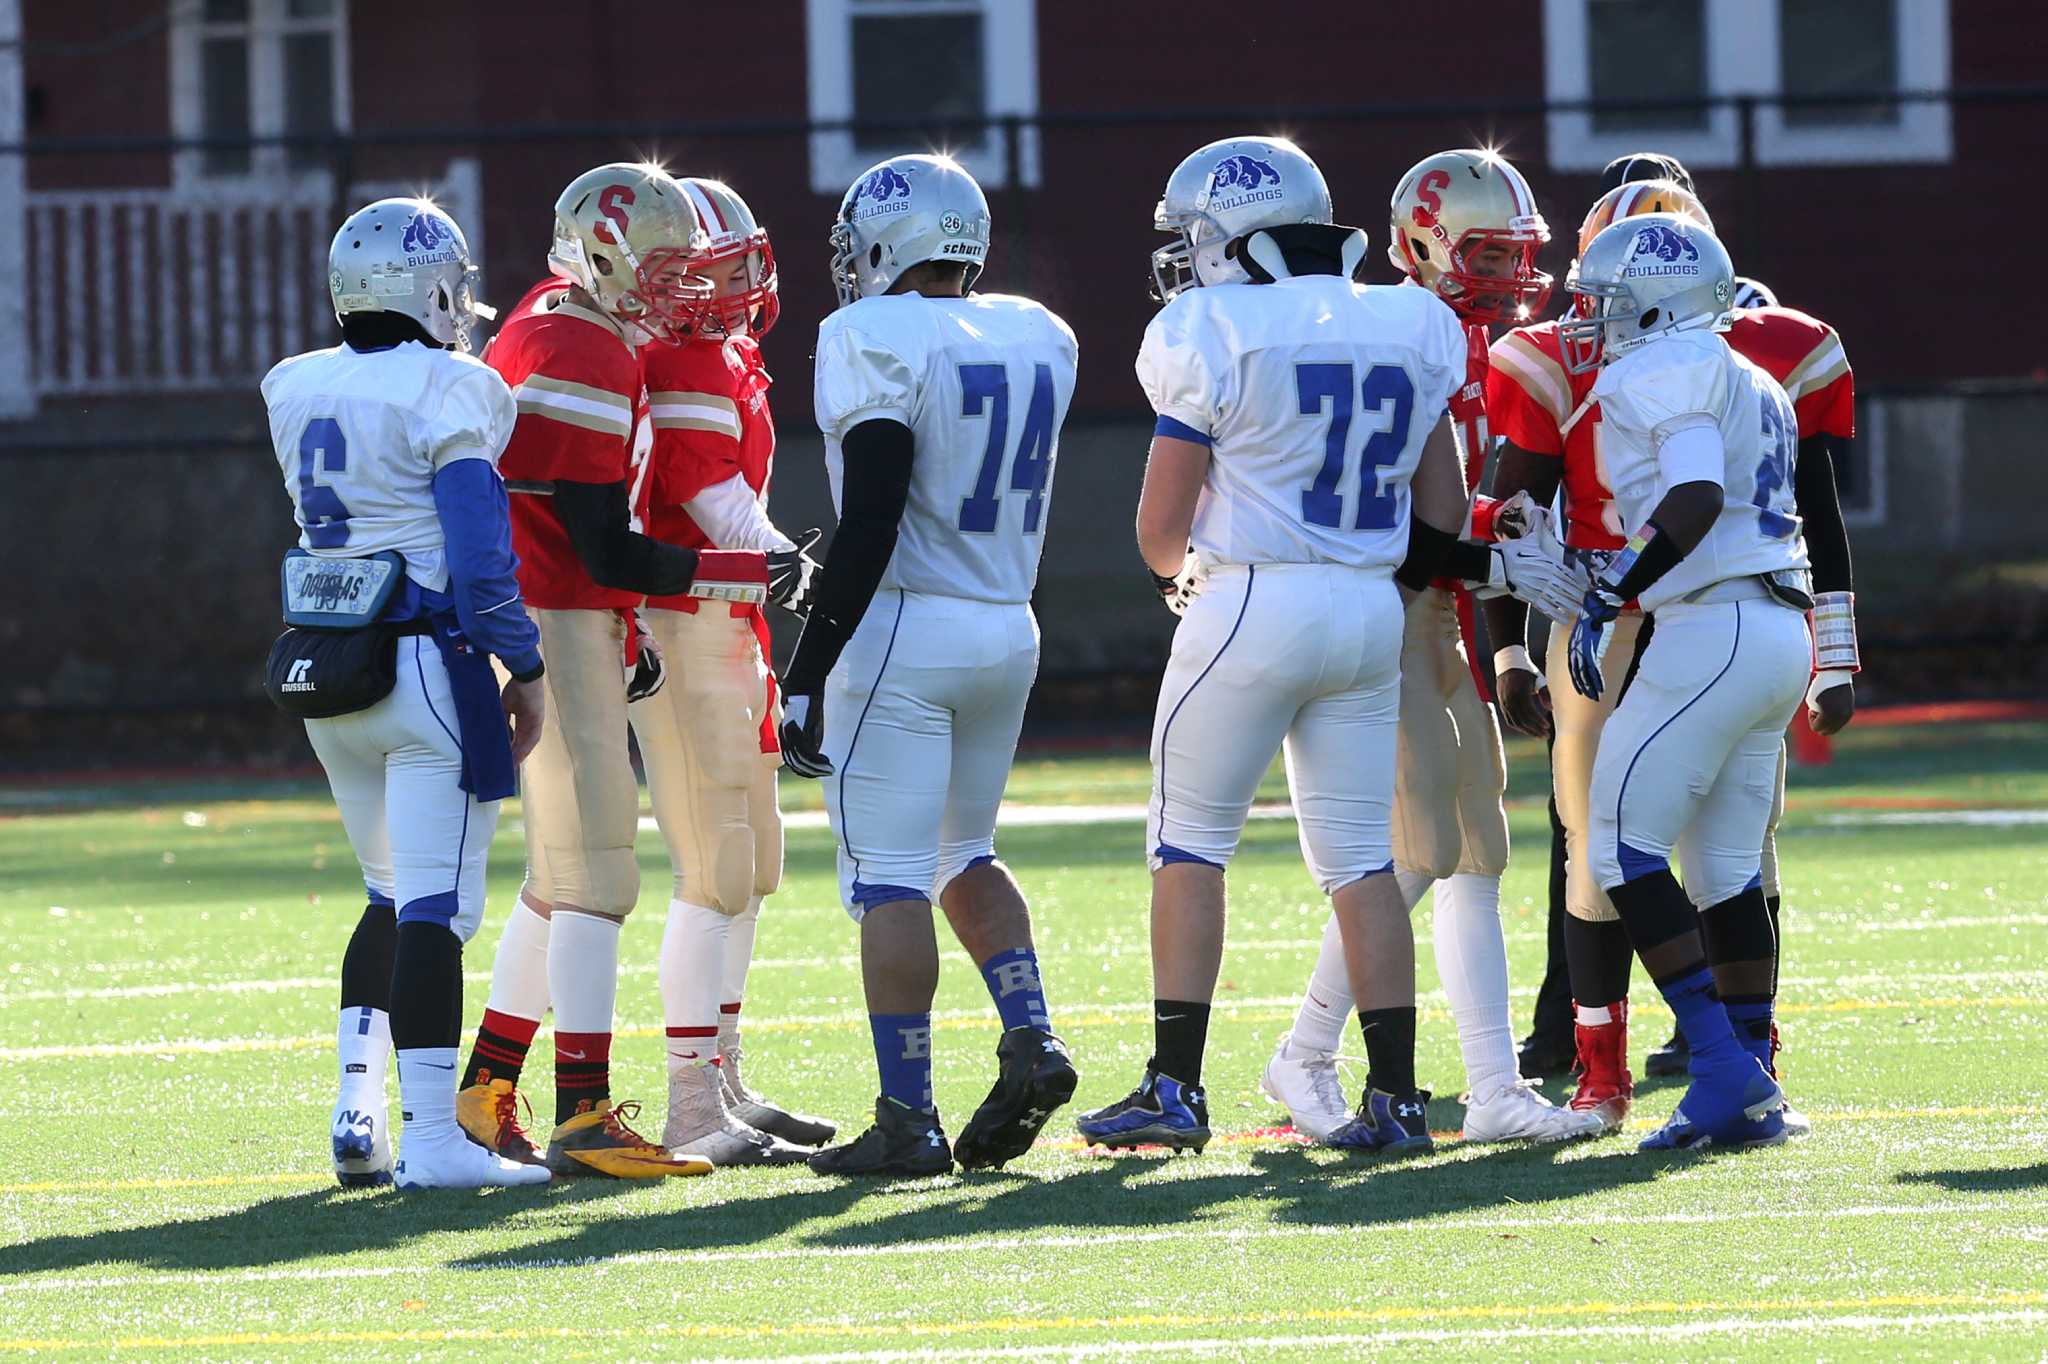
160 290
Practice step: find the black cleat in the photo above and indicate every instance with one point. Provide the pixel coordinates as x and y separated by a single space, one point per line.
1037 1076
1161 1111
1673 1058
904 1141
1540 1055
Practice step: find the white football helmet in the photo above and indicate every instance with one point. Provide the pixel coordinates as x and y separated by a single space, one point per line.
1640 278
406 256
903 212
1224 191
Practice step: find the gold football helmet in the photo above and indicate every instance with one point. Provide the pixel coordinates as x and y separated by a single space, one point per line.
624 234
1640 196
1450 207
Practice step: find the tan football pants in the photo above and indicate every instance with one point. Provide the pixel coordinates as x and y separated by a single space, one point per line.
712 787
1578 723
1450 770
578 796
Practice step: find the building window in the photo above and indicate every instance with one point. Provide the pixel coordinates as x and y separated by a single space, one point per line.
256 68
1670 49
935 68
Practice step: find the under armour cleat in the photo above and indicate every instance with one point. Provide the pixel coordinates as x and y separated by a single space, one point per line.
600 1143
1391 1124
701 1127
1516 1112
1305 1082
1161 1111
1673 1058
904 1141
1605 1090
362 1146
1728 1111
751 1108
1036 1076
450 1160
489 1113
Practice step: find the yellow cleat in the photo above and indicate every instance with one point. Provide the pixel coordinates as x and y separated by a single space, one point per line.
489 1112
600 1143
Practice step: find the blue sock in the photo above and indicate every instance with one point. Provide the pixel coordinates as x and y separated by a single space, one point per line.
903 1053
1750 1016
1013 983
1703 1019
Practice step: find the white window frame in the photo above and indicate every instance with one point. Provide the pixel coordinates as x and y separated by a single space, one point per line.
1009 45
265 32
1742 59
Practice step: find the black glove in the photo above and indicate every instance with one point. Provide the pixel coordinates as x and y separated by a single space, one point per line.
647 674
790 572
803 735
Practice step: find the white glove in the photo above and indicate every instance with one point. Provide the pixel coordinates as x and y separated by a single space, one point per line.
1533 568
1180 591
644 677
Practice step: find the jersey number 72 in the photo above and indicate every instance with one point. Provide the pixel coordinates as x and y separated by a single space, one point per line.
1384 387
986 389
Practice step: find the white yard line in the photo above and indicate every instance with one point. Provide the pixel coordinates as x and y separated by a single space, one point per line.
1053 1241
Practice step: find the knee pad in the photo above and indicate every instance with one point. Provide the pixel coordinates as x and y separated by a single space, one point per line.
614 881
724 881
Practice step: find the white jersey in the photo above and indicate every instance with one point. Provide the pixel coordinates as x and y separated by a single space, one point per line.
1688 379
1315 396
983 383
360 435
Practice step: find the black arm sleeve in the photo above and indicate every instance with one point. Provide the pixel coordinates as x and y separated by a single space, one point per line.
613 553
1433 553
1820 508
873 493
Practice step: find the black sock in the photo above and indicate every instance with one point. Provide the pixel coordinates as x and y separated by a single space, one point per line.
426 987
1601 958
366 965
1389 1048
1180 1032
1655 910
1771 905
1739 928
1553 1016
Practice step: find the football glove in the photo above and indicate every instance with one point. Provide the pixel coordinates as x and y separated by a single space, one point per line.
803 736
790 572
646 673
1590 636
1534 568
1180 591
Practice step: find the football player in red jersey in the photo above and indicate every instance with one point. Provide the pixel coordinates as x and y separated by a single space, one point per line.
571 354
709 736
1465 225
1550 435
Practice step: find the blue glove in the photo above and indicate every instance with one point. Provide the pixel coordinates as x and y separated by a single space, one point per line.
1590 634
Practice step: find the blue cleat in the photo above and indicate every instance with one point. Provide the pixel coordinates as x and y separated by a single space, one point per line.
1731 1111
1161 1111
362 1147
1390 1124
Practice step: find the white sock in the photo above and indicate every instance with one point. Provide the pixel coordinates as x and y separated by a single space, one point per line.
1472 960
363 1042
1326 1004
426 1090
519 976
583 971
692 972
739 952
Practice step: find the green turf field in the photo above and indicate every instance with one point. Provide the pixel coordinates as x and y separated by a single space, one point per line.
166 1071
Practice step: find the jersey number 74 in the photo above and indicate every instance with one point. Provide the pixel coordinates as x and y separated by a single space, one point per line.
985 389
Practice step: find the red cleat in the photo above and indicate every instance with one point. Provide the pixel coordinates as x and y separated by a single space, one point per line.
1606 1089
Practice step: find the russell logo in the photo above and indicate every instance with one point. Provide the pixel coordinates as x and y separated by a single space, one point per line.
1242 179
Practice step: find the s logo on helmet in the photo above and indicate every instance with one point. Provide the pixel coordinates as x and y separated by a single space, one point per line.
612 202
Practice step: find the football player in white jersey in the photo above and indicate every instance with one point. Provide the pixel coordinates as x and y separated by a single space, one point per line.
400 591
941 410
1294 408
1699 447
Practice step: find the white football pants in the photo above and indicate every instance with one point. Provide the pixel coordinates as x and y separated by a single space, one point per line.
395 770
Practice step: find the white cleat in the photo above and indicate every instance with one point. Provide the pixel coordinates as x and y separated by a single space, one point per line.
1518 1113
1797 1124
700 1124
453 1161
362 1145
1307 1085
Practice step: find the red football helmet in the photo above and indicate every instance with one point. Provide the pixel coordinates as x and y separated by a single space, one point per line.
734 233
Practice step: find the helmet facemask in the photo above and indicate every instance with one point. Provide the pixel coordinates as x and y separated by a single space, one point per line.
752 309
1200 258
1445 268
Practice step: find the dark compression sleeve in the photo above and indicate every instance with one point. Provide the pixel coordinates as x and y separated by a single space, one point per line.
873 492
614 554
1820 509
1434 553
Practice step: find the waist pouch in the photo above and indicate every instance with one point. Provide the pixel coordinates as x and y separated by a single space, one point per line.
316 674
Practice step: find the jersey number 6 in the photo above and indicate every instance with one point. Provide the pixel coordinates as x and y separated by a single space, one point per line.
1386 387
986 388
322 450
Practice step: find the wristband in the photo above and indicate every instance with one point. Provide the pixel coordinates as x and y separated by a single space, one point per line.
539 671
1484 510
736 575
1514 658
1833 619
1827 679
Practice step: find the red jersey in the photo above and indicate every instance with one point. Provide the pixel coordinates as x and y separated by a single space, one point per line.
1531 401
708 400
577 384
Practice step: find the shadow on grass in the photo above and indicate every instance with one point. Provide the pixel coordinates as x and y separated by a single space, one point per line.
2001 1179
